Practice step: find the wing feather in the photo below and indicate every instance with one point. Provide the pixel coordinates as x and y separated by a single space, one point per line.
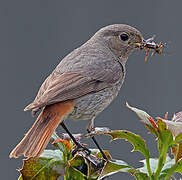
61 87
85 70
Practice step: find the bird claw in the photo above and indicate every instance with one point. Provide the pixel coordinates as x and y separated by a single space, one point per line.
80 147
97 131
101 164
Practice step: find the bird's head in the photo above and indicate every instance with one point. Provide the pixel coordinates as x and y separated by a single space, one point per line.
121 39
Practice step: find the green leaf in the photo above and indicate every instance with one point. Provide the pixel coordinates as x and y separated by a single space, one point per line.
87 165
169 163
138 174
165 138
141 176
136 140
177 167
177 151
114 166
165 169
20 178
76 160
165 141
99 155
79 163
48 166
177 147
154 163
74 174
178 138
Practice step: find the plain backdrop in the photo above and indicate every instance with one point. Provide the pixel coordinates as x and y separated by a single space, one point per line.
36 34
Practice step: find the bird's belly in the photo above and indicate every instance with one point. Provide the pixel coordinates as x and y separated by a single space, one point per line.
92 104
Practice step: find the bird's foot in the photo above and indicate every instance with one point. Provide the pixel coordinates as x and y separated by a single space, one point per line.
101 164
97 131
82 148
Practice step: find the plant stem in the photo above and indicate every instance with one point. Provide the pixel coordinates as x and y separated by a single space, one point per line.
161 162
149 169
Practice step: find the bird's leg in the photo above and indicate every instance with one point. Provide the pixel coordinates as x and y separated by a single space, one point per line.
78 145
90 125
90 128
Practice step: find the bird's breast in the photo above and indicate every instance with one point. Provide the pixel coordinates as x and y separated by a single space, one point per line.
92 104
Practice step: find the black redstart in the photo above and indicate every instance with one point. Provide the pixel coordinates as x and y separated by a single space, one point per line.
83 84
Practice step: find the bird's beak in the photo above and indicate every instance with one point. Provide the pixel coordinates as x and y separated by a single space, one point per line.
149 44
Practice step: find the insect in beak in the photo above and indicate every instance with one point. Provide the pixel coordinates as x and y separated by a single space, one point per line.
150 44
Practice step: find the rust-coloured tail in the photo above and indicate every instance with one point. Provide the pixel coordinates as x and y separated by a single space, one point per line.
39 135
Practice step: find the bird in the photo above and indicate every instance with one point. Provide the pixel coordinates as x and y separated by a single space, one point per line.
82 85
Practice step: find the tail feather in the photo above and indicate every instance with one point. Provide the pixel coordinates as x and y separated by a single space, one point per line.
39 135
31 106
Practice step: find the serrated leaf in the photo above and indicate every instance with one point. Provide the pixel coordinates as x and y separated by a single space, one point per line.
49 165
114 166
136 140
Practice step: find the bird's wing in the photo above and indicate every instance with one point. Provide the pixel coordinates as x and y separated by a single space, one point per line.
70 83
66 86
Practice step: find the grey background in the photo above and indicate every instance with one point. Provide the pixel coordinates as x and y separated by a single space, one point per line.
36 34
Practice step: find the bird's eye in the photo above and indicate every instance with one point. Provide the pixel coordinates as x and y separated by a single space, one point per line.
124 36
